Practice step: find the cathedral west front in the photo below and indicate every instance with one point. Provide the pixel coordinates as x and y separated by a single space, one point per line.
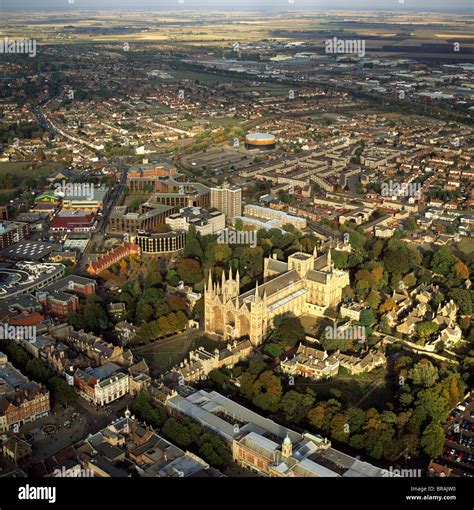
307 284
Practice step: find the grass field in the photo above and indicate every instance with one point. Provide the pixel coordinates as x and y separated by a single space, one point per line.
216 122
170 352
466 245
204 77
365 390
20 168
314 326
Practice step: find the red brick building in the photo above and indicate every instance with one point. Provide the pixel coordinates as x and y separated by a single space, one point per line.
62 297
27 404
112 257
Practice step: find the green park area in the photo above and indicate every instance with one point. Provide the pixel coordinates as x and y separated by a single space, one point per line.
366 390
16 175
169 352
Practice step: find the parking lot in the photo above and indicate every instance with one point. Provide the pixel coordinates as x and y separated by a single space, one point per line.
459 446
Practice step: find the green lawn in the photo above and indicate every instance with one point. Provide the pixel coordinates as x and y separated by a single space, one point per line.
223 122
314 326
20 168
466 245
353 388
204 77
172 352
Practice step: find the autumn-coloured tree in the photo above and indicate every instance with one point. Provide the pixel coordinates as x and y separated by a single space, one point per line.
387 306
164 325
190 271
316 416
461 270
340 428
176 302
267 391
373 299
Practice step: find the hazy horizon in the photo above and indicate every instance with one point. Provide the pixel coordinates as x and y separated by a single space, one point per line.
231 5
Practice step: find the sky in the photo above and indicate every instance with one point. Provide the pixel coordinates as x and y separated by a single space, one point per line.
239 5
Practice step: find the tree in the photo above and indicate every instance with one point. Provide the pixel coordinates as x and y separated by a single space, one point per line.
218 377
273 350
288 331
177 433
340 428
295 405
190 271
95 317
373 299
217 253
176 302
164 325
396 261
430 404
409 280
443 261
267 391
144 312
62 391
411 224
357 240
152 279
377 249
367 318
182 321
316 416
142 407
387 306
461 270
192 248
123 267
256 367
247 381
355 418
76 320
424 374
213 450
432 440
463 299
172 277
426 329
340 259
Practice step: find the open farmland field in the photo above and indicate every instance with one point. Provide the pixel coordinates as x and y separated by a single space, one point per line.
222 30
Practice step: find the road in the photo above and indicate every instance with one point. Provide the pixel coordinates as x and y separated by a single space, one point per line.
43 121
107 210
417 348
99 233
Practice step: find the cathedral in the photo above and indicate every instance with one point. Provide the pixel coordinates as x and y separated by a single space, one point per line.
305 285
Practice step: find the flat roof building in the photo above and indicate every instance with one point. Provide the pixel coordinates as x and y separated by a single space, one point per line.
228 199
206 223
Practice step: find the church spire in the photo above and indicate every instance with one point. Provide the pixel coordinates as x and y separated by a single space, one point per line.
256 293
223 289
209 282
